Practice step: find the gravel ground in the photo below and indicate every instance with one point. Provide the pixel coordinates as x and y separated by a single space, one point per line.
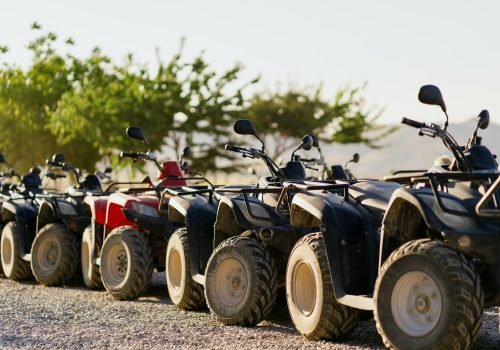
33 316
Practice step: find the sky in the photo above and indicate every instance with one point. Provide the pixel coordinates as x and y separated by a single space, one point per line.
393 46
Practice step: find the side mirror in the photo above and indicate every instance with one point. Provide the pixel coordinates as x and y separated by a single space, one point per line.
187 152
431 95
137 133
244 127
57 158
483 119
315 141
2 159
355 157
307 142
108 170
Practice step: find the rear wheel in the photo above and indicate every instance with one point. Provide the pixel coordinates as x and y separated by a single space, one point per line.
183 290
55 255
241 282
14 267
126 263
315 312
90 270
426 291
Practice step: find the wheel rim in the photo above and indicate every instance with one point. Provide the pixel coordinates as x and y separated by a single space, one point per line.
231 282
7 253
304 288
416 303
117 264
48 254
85 259
175 270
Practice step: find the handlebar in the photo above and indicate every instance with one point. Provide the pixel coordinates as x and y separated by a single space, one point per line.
235 148
130 154
413 123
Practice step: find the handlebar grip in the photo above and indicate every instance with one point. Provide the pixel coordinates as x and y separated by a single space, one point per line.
128 154
233 148
412 122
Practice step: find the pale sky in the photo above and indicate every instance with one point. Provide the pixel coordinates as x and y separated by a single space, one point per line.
394 46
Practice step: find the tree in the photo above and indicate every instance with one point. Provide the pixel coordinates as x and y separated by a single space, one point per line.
282 118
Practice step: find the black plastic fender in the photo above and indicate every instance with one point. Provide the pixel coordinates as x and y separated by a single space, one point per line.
415 213
25 214
61 210
197 213
350 238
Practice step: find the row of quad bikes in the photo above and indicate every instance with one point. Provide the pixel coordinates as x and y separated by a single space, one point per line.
418 249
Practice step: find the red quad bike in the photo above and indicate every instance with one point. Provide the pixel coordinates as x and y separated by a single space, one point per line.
129 230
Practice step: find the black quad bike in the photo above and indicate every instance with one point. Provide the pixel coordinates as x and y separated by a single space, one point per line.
439 254
237 239
61 220
18 215
436 255
334 172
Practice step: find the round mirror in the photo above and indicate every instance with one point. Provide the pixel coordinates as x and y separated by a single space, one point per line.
307 142
483 119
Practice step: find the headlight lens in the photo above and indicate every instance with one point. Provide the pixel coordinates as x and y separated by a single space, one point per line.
144 209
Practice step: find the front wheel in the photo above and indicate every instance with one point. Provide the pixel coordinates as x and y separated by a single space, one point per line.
428 296
241 282
183 290
126 263
54 255
14 267
315 312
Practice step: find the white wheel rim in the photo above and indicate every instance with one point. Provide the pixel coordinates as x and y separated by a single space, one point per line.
175 270
48 254
86 259
231 282
7 254
304 288
416 303
116 264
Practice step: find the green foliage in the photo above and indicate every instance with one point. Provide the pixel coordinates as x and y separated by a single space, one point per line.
283 118
82 106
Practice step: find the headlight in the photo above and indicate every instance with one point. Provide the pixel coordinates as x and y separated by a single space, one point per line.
66 208
144 209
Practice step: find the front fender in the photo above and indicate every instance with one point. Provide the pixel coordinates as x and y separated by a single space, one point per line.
350 239
24 211
197 213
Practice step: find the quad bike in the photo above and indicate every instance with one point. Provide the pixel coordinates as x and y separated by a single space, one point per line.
18 215
432 240
236 239
127 236
334 172
439 253
61 219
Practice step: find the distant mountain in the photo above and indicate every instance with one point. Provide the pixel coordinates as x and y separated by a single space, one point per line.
405 149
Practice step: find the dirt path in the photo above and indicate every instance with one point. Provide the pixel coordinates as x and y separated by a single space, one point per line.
33 316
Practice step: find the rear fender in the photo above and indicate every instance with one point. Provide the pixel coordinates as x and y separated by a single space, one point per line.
198 215
350 240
